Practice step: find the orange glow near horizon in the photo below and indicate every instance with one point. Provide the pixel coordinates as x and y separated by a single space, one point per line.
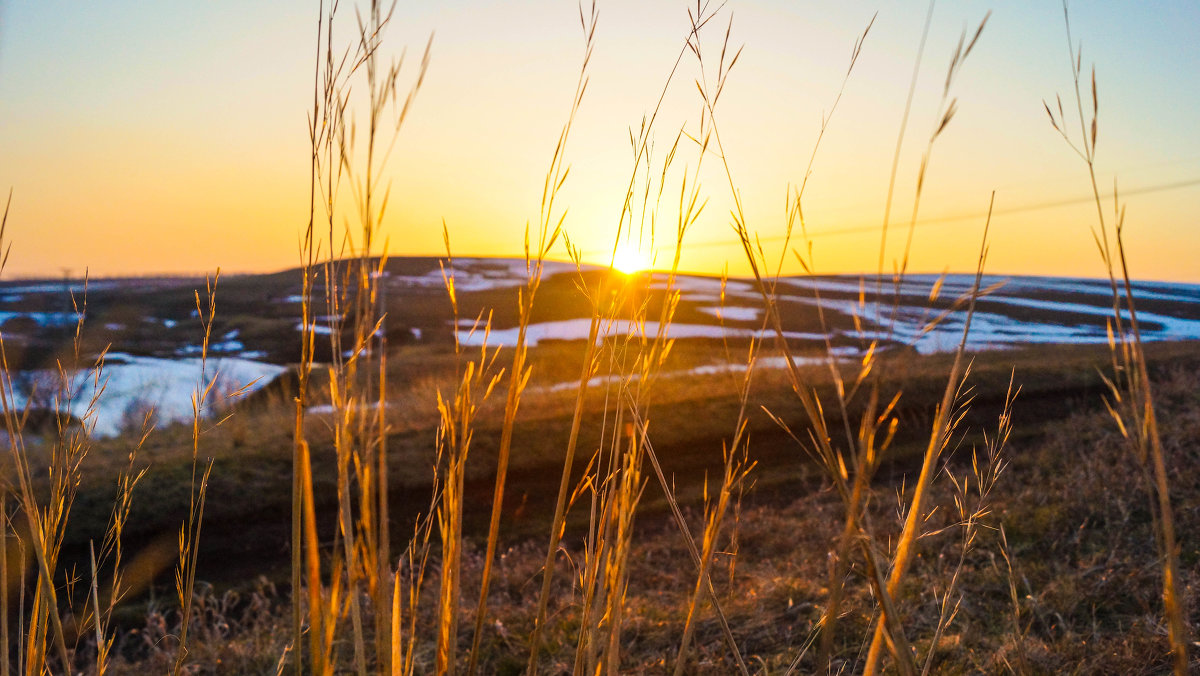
181 151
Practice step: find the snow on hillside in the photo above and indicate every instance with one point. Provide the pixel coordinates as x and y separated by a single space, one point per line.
1019 311
1022 310
480 274
127 386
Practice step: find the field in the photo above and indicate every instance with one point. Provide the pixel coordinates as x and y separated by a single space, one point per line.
376 463
1070 539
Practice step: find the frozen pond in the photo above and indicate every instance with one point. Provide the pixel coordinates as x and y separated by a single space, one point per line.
129 385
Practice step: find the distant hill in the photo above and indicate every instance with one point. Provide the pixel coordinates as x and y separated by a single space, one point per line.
258 316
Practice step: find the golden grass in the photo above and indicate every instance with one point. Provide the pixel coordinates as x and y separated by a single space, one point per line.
358 604
1131 400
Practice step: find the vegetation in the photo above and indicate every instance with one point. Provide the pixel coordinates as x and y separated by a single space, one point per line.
948 513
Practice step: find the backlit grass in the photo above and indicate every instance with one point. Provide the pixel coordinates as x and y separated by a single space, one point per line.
624 503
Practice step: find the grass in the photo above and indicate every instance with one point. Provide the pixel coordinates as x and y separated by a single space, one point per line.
905 513
1046 496
1043 502
1132 399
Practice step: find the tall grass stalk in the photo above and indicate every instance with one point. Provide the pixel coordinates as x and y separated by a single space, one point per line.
44 528
864 454
549 230
352 272
865 451
558 521
302 486
625 463
944 423
946 419
649 358
112 555
615 481
46 518
325 128
973 507
736 466
895 171
455 434
615 477
189 532
735 471
1018 631
1131 396
947 107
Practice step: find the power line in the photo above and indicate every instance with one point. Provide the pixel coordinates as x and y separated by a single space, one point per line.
1160 187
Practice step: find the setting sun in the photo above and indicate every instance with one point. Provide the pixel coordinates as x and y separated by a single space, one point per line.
630 258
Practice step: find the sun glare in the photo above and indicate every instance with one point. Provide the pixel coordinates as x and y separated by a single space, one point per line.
630 259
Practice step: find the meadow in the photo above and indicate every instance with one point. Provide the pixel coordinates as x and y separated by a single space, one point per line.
539 465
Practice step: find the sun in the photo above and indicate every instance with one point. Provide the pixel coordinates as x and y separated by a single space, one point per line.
629 259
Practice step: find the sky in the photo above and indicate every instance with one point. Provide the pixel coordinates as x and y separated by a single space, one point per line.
146 138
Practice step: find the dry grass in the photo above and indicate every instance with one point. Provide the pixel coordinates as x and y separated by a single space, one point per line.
1084 561
1132 399
926 550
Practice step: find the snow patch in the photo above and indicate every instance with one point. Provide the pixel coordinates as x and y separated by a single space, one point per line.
43 319
733 314
578 329
483 274
128 384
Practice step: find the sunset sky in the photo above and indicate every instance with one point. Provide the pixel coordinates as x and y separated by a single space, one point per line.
171 137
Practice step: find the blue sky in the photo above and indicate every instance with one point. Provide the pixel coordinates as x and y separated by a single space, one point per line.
170 137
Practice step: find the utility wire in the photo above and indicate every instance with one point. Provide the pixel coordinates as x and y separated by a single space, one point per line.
938 220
